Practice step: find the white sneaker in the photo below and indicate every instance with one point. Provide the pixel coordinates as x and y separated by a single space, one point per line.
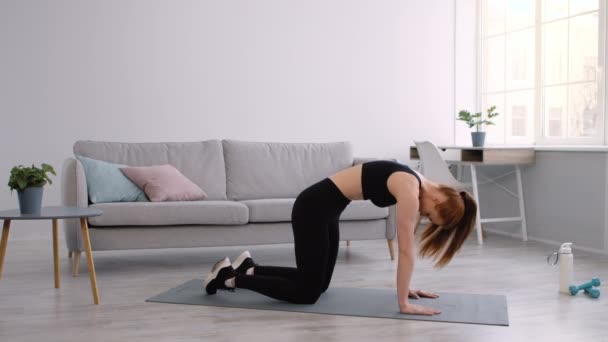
243 262
216 280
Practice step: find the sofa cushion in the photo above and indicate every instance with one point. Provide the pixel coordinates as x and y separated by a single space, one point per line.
105 183
202 162
256 170
164 183
170 213
279 210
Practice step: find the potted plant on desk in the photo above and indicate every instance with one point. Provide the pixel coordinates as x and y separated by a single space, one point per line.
476 120
29 183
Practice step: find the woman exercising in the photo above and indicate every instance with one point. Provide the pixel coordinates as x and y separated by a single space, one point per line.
315 216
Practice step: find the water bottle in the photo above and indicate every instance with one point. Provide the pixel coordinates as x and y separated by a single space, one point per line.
566 266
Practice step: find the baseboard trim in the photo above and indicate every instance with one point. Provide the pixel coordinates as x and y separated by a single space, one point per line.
547 242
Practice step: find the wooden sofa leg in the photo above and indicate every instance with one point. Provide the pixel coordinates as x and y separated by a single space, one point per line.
347 243
70 254
390 248
75 263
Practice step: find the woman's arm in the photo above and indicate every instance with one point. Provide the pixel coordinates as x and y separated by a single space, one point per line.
406 193
407 209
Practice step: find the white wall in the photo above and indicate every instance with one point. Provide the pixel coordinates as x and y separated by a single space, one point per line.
377 73
465 62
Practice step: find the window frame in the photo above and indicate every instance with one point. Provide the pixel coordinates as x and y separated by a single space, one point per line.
538 120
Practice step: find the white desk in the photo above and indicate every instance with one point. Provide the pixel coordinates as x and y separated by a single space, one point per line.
476 156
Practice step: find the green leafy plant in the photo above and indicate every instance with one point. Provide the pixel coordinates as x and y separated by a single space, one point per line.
24 177
476 120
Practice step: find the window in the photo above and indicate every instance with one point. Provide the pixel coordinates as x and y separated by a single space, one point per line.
542 67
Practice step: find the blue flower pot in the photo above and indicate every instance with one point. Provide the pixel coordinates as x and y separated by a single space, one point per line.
478 138
30 200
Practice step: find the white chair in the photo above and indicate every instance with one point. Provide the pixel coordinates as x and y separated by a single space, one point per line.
436 169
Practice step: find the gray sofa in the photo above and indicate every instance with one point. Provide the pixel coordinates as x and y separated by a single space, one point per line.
251 188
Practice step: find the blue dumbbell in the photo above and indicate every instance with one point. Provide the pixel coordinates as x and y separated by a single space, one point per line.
593 293
594 282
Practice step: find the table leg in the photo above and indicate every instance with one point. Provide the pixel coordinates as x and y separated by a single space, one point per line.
522 206
3 243
476 194
91 265
75 263
56 251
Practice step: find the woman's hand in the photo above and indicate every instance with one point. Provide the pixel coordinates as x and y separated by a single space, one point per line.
416 294
414 309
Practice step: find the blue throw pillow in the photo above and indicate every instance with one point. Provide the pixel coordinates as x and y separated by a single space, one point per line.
106 183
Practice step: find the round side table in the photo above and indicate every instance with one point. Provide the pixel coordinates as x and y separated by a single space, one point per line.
54 214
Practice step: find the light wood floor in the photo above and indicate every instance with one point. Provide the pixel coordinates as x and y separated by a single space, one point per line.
32 310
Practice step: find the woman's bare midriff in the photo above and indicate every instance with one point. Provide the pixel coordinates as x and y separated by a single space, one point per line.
349 182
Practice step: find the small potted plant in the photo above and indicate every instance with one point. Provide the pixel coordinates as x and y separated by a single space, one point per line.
29 183
476 120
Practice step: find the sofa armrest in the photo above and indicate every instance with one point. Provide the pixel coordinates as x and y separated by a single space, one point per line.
358 161
361 160
74 193
391 223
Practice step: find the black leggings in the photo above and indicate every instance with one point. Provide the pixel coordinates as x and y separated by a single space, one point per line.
315 216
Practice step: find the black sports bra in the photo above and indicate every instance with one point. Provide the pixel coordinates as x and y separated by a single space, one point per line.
374 176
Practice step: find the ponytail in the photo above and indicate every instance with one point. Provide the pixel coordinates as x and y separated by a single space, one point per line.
442 242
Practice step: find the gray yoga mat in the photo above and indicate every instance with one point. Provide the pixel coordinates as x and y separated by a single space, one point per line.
380 303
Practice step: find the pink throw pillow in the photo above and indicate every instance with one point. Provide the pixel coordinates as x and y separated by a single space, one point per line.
164 183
